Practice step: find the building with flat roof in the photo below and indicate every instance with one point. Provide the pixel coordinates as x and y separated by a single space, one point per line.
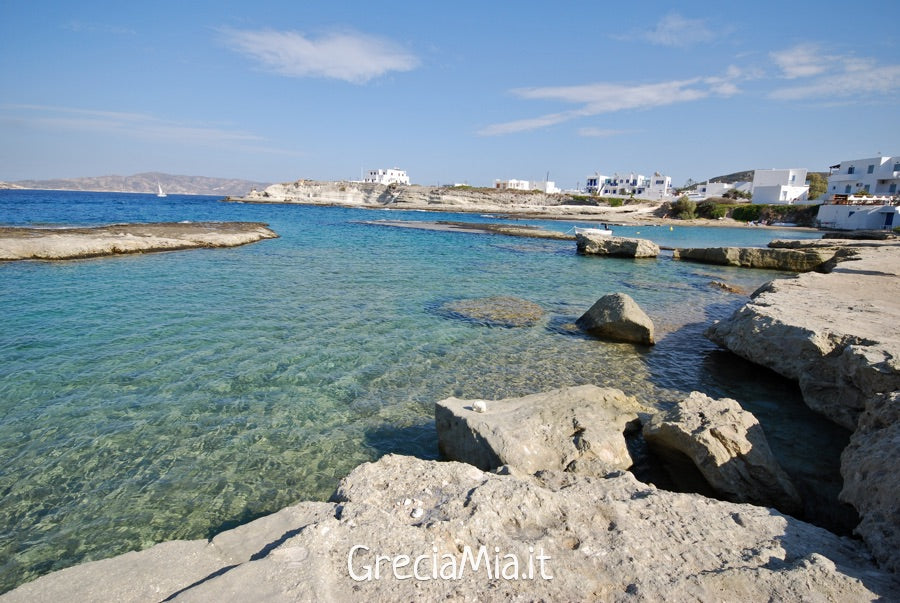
389 176
879 176
780 187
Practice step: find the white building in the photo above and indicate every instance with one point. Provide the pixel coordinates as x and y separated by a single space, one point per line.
390 176
780 187
516 185
878 176
545 186
861 214
632 185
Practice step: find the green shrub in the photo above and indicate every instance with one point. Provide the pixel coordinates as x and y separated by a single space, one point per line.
711 210
615 202
747 213
684 208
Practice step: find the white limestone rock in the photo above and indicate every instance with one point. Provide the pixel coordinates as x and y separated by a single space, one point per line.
728 446
599 539
576 429
616 246
871 480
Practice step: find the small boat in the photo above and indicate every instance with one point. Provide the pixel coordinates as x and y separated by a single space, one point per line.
159 188
605 231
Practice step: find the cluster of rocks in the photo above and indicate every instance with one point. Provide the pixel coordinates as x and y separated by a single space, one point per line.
559 519
837 335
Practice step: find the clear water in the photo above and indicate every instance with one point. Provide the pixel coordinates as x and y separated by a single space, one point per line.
160 396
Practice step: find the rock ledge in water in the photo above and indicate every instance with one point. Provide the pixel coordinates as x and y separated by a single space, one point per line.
75 243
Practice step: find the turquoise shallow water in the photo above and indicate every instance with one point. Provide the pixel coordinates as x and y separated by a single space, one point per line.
162 396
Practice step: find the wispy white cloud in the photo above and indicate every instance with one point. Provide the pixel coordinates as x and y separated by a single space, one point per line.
349 56
675 30
830 77
596 99
131 125
803 60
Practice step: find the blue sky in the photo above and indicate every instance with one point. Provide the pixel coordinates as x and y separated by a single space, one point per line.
451 92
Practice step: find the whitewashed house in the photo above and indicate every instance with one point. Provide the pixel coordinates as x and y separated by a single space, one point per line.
705 190
389 176
879 176
859 215
545 186
515 185
633 185
780 187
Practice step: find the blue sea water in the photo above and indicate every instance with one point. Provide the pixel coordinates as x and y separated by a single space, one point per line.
159 396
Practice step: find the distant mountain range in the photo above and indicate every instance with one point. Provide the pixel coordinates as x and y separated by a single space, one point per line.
146 183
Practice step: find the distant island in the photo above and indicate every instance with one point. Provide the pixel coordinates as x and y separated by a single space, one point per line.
146 182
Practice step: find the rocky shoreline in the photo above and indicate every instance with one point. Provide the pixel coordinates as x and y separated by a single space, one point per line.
523 204
545 504
77 243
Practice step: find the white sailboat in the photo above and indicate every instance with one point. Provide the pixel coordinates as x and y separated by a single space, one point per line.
159 188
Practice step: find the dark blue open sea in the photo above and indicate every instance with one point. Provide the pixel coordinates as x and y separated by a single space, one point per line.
173 395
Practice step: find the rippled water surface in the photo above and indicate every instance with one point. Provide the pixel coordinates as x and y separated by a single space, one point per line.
162 396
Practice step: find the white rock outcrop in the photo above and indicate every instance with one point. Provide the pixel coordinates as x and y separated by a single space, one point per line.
578 429
616 246
403 529
871 479
838 335
728 447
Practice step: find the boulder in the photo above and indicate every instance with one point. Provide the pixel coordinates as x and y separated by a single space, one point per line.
617 317
448 531
616 246
578 429
793 260
871 480
728 446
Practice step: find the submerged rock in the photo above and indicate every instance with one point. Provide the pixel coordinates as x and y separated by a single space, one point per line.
618 317
578 429
728 446
616 246
448 531
499 310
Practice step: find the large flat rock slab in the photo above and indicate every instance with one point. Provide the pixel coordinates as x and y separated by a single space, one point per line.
404 529
74 243
793 260
577 429
837 334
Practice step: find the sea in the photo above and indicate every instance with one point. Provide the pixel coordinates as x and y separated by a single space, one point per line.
174 395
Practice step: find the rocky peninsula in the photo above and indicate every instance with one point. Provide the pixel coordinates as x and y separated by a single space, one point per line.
532 204
75 243
541 497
